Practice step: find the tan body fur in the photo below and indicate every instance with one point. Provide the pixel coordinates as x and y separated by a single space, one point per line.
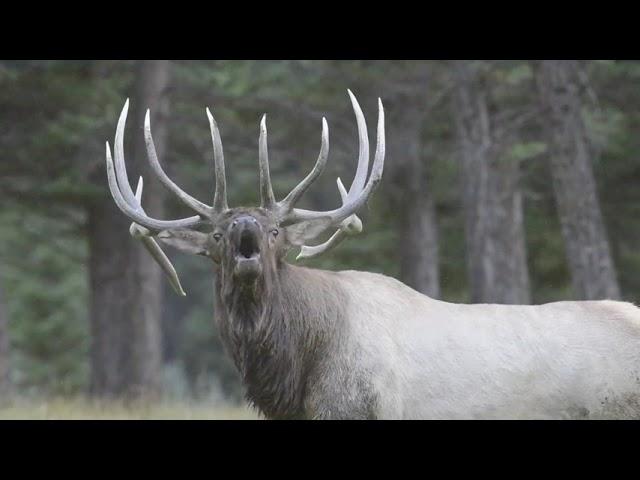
433 359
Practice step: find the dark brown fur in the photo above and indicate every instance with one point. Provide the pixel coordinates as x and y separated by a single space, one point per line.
277 331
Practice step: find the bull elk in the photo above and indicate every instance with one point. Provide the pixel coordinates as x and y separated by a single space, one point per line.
315 344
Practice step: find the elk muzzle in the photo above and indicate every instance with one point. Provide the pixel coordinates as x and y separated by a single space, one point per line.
246 239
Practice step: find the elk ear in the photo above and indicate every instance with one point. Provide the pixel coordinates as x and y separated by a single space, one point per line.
187 241
300 233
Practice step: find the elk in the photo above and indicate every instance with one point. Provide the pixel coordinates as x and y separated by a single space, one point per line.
315 344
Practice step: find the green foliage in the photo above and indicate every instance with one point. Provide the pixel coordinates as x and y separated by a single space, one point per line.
46 290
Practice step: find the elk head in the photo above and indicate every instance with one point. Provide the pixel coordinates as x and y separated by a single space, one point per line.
245 242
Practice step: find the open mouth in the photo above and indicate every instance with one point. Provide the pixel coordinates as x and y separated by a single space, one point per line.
249 247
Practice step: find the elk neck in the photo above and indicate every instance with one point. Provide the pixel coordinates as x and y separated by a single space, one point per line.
277 330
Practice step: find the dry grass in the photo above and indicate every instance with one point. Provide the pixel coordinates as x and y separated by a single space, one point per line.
82 409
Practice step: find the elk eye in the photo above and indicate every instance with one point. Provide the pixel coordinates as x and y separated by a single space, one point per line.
274 232
217 236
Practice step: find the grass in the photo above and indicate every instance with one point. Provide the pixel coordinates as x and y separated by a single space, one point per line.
84 409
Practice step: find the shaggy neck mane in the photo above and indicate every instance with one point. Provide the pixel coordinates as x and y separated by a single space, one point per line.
275 329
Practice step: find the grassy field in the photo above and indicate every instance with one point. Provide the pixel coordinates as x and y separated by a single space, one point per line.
82 409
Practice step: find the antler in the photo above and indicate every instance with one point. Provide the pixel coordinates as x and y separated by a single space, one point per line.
352 225
359 191
348 223
121 189
359 198
125 198
144 227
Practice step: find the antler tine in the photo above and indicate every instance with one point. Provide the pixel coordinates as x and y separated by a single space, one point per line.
292 198
220 195
152 156
154 249
350 226
341 190
353 204
312 251
363 155
267 200
121 169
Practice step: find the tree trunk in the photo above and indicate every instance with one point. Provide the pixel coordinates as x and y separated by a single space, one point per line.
417 228
5 384
592 271
419 266
494 230
126 283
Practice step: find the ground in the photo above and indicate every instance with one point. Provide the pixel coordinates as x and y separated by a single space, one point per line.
82 409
